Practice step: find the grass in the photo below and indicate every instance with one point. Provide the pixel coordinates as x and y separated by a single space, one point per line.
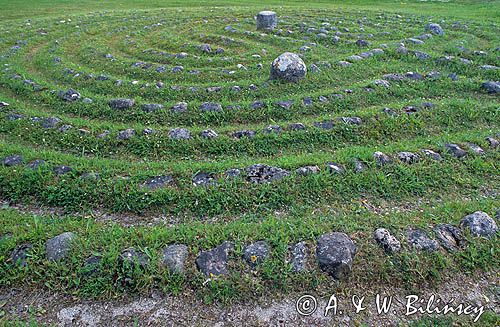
59 53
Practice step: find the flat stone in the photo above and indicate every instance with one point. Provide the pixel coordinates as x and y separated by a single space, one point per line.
479 224
58 248
326 124
179 107
408 157
158 182
334 168
359 166
70 95
13 160
232 173
387 241
210 107
243 133
381 158
61 170
179 134
419 239
208 134
351 120
121 104
434 29
491 87
450 237
130 257
476 148
307 170
20 255
50 122
300 254
35 164
260 173
204 179
296 127
431 154
335 253
493 143
151 107
214 262
276 129
455 150
126 134
174 258
256 253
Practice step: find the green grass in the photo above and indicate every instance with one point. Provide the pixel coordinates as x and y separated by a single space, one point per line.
398 196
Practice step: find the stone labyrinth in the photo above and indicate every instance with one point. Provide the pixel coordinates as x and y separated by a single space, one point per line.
185 112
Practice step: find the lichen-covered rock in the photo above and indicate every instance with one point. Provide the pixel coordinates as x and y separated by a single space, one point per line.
408 157
300 254
214 262
335 254
419 239
151 107
174 258
307 170
179 107
179 134
335 168
256 253
388 242
260 173
288 67
57 248
450 237
479 224
381 158
210 107
208 134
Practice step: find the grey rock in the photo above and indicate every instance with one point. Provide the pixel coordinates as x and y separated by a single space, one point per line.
296 127
70 95
300 254
61 170
455 150
210 107
174 258
58 248
381 158
256 253
359 166
491 87
260 173
334 168
479 224
13 160
307 170
35 164
179 107
408 157
288 67
126 134
284 104
204 179
421 241
50 122
158 182
179 134
272 129
450 237
267 20
431 154
214 262
382 82
232 173
387 241
351 120
20 255
335 253
208 134
434 29
151 107
476 148
243 133
130 257
492 142
121 104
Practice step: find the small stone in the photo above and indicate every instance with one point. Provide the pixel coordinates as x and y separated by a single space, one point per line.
491 87
351 120
69 95
260 173
455 150
13 160
214 262
359 166
256 253
296 127
408 157
158 182
272 129
20 255
174 258
450 237
243 133
103 134
421 241
121 104
335 253
300 253
479 224
151 107
131 257
493 143
35 164
58 248
476 148
50 122
362 43
326 124
65 128
61 170
288 67
232 173
334 168
284 104
381 158
382 82
307 170
208 134
434 29
126 134
204 179
179 134
179 107
431 154
210 107
388 242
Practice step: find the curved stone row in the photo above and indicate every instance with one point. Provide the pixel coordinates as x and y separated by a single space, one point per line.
335 251
260 173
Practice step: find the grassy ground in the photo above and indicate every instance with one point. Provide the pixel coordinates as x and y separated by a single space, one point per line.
63 36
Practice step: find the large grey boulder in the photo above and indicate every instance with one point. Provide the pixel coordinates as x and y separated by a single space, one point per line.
479 224
267 20
288 67
335 253
214 262
174 258
57 248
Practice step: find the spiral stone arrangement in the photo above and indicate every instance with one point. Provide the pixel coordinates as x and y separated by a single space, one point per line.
228 113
